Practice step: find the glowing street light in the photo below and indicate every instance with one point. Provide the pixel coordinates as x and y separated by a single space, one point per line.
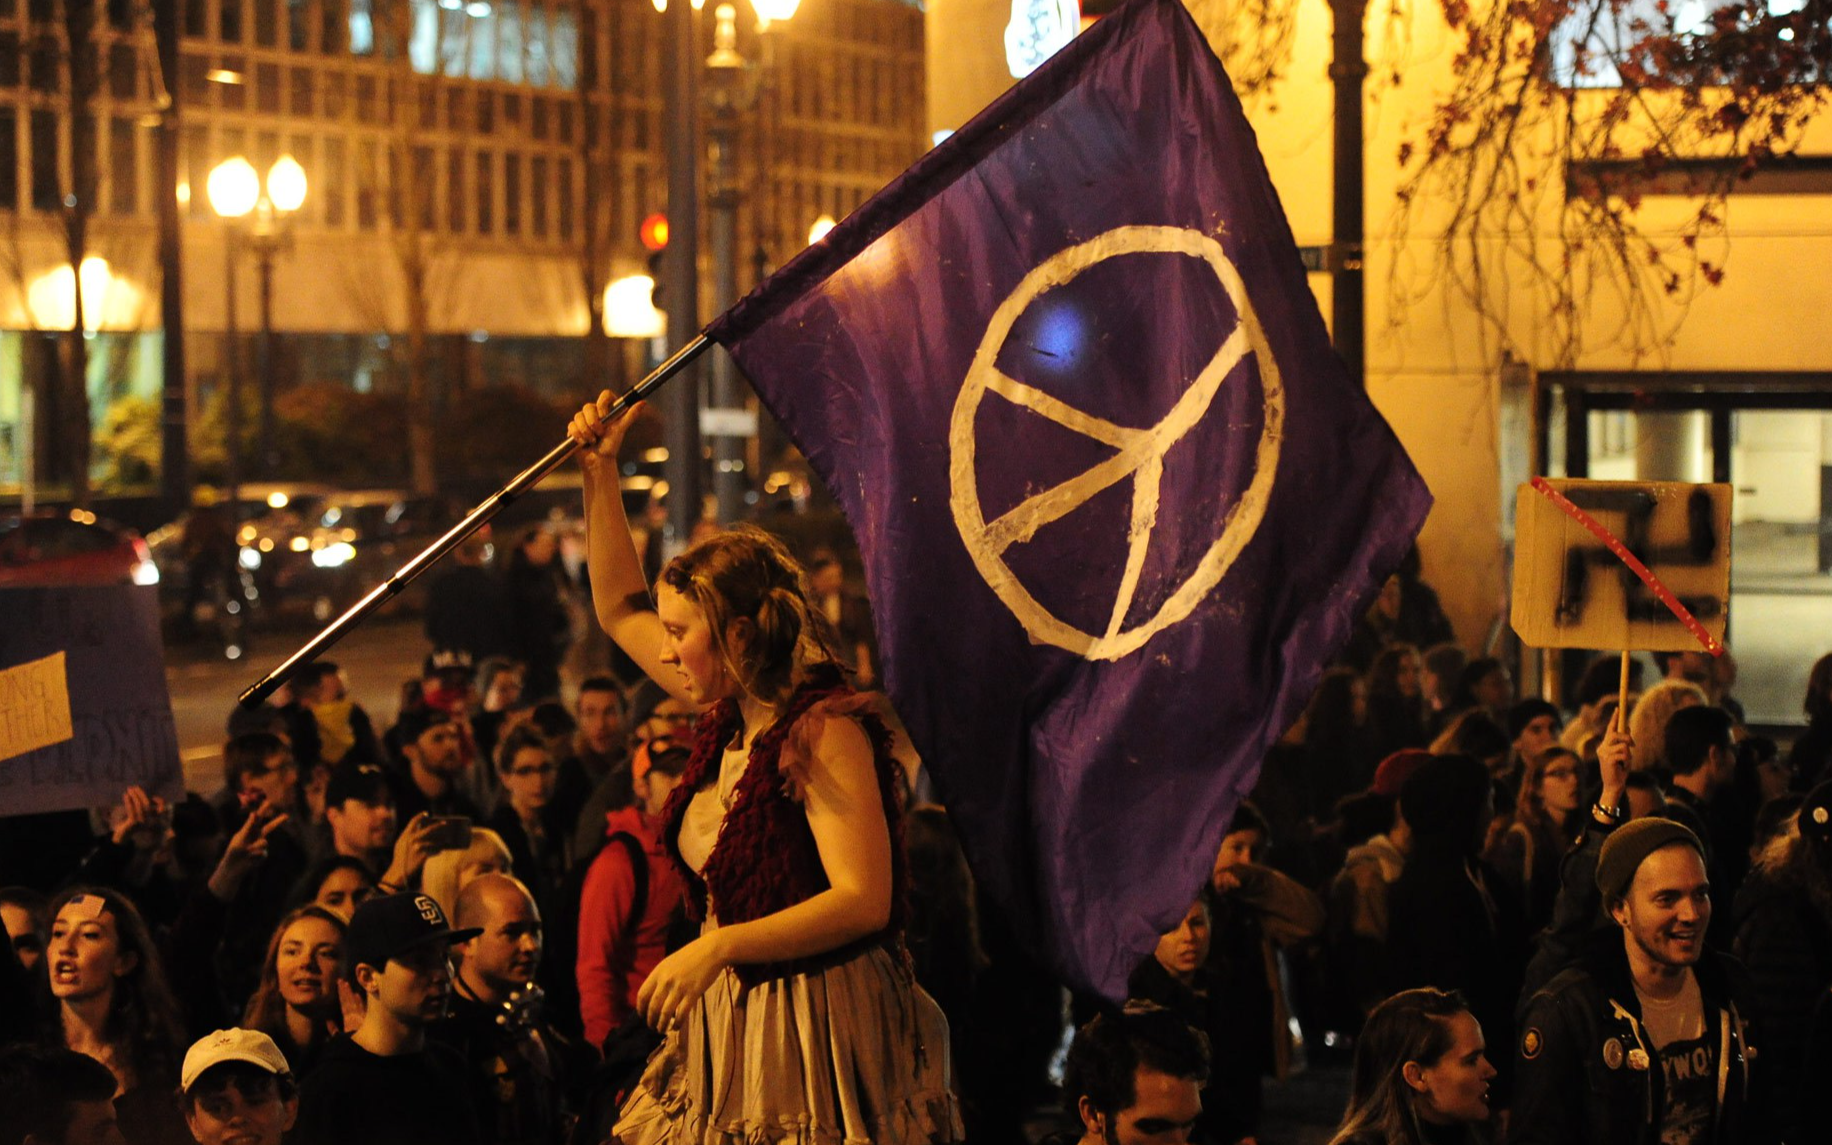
286 184
819 230
236 190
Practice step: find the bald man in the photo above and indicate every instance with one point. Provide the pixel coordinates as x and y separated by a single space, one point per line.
513 1059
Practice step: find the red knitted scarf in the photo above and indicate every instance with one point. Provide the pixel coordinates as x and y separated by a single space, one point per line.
765 858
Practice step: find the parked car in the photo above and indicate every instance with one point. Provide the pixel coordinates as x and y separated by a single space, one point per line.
73 548
354 542
261 505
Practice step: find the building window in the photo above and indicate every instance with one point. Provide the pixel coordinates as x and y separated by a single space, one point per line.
47 186
196 18
231 23
564 182
537 194
301 84
334 92
486 193
267 88
123 167
486 112
454 191
197 168
362 29
266 23
512 193
331 27
426 187
235 95
368 185
336 179
9 159
46 74
365 99
298 25
122 71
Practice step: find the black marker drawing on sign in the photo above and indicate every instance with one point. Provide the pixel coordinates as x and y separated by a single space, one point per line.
1639 509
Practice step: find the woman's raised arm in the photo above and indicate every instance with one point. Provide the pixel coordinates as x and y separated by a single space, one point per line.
619 593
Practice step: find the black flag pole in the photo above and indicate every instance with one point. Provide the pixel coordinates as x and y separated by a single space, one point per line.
474 520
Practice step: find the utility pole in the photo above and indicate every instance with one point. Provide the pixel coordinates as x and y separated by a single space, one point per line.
79 204
726 70
1348 71
174 466
681 263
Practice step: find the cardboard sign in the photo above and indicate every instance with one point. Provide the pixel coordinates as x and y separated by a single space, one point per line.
1572 591
84 712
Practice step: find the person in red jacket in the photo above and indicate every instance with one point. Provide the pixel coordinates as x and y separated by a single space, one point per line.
632 895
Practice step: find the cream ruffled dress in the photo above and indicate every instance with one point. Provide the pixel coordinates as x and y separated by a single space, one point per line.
852 1054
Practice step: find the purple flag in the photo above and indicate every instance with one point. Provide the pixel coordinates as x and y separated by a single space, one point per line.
1117 499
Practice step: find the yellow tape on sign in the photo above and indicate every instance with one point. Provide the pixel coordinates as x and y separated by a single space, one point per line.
34 706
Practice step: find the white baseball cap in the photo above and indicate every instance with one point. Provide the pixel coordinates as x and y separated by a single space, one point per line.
251 1046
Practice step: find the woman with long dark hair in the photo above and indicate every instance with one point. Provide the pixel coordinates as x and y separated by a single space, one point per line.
111 1002
1396 702
794 1011
1526 855
296 1003
1336 757
1421 1074
1812 752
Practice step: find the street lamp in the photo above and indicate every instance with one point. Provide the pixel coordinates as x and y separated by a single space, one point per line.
236 192
734 87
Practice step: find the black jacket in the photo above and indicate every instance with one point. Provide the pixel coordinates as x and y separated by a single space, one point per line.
1587 1074
1786 943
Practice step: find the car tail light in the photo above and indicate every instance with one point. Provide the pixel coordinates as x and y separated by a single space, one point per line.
145 571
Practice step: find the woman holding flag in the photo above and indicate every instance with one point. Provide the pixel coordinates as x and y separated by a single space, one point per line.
794 1015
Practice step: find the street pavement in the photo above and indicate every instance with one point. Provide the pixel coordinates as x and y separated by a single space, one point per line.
377 657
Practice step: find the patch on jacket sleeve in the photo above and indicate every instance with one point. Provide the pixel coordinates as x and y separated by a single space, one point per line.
1531 1043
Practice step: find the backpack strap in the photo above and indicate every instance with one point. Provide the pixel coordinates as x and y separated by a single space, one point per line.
639 872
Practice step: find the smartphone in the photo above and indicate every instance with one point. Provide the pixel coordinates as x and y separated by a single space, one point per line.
449 832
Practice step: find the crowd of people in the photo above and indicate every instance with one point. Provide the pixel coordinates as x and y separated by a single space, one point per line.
709 898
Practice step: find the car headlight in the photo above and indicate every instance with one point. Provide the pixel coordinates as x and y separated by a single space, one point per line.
250 559
331 556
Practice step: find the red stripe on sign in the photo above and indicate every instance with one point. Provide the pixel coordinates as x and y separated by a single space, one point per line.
1633 562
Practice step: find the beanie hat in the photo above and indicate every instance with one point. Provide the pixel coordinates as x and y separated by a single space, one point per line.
1816 814
1394 770
1629 845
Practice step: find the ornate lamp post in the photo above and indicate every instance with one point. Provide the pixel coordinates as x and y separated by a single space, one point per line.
238 192
733 88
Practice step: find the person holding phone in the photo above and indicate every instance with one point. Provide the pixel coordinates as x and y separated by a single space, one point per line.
786 821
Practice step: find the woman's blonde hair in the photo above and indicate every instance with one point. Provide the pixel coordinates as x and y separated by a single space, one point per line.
439 878
1647 724
744 574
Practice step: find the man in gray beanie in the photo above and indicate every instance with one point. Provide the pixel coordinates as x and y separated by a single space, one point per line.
1646 1041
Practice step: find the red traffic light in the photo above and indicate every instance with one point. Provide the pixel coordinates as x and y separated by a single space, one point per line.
654 231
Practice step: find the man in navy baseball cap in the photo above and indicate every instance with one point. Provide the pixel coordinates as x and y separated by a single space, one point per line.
384 1085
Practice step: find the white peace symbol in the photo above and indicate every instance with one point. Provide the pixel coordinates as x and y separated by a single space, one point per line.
1141 451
